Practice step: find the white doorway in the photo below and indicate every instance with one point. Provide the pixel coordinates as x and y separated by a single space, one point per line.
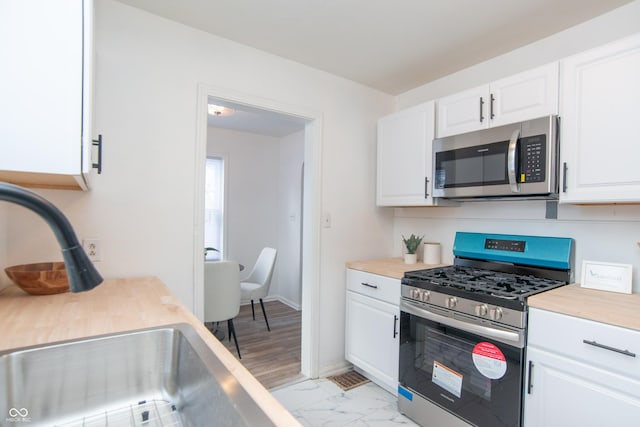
311 122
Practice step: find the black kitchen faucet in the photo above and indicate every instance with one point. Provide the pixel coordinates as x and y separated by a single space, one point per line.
82 274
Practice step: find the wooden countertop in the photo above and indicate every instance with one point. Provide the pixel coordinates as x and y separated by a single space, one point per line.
115 306
601 306
390 267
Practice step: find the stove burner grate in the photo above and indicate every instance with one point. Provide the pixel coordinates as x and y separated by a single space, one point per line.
483 281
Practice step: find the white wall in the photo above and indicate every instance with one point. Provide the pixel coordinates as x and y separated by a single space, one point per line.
290 218
263 202
616 24
601 233
252 179
141 207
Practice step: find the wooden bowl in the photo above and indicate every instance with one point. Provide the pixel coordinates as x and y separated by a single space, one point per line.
43 278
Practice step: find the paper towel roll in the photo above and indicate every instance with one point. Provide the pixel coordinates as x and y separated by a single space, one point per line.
431 253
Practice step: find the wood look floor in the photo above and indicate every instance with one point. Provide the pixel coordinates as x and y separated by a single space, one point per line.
272 357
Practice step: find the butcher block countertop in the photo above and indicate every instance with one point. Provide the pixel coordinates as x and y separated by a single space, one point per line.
601 306
115 306
390 267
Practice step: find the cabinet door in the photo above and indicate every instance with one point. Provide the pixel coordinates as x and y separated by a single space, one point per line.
525 96
404 157
45 85
372 338
463 112
600 102
561 392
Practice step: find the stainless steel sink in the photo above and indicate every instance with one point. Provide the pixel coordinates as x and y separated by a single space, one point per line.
163 376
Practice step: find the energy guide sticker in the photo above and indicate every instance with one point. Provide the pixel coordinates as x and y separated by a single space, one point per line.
446 378
489 360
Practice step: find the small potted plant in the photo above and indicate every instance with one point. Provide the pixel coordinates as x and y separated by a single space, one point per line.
412 244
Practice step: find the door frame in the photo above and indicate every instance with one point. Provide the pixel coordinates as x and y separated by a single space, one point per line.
311 210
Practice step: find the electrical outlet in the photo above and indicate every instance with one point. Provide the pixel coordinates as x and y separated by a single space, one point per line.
92 248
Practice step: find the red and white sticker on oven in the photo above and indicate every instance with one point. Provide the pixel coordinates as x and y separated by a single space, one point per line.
489 360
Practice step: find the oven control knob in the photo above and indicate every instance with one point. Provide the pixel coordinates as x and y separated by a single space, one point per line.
495 313
426 295
481 309
451 302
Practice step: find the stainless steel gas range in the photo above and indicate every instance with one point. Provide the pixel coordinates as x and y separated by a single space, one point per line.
463 328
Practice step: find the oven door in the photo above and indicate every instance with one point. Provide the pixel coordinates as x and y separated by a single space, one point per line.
472 370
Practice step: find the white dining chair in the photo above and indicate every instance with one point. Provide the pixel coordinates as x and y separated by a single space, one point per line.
256 284
222 294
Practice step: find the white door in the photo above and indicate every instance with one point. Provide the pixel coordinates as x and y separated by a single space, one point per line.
463 112
525 96
561 392
404 157
41 81
372 338
600 107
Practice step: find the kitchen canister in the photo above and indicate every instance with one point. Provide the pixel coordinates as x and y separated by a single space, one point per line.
431 253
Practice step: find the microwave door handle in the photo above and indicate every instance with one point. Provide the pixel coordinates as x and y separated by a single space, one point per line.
511 161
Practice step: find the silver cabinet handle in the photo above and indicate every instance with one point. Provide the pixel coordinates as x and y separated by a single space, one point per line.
511 161
529 382
481 108
426 187
606 347
369 286
491 114
395 326
98 143
564 177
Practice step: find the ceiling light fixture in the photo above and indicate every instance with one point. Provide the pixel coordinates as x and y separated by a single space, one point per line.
219 110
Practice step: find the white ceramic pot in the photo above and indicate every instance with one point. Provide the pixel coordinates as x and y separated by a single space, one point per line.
431 251
410 258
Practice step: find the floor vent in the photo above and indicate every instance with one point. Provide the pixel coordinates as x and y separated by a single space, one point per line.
348 380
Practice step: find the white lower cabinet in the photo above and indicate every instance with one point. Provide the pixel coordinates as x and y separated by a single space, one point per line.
373 326
580 373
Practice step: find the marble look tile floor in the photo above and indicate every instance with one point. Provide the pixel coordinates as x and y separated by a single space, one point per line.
322 403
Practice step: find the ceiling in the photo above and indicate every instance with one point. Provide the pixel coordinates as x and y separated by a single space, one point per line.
254 120
390 45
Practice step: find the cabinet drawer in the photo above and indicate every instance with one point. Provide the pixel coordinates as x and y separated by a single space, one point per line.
373 285
594 343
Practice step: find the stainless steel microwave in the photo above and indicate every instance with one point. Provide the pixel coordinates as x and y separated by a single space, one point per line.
517 160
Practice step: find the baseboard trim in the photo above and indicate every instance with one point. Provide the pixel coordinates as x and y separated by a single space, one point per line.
337 369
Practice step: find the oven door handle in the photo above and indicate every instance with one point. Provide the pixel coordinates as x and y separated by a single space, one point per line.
507 337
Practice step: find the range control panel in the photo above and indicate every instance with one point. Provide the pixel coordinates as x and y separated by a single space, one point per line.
505 245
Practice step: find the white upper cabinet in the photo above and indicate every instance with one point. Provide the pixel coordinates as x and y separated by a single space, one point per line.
404 157
524 96
45 82
600 108
463 112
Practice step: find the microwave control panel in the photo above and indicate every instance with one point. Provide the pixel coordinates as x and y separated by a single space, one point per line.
533 155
